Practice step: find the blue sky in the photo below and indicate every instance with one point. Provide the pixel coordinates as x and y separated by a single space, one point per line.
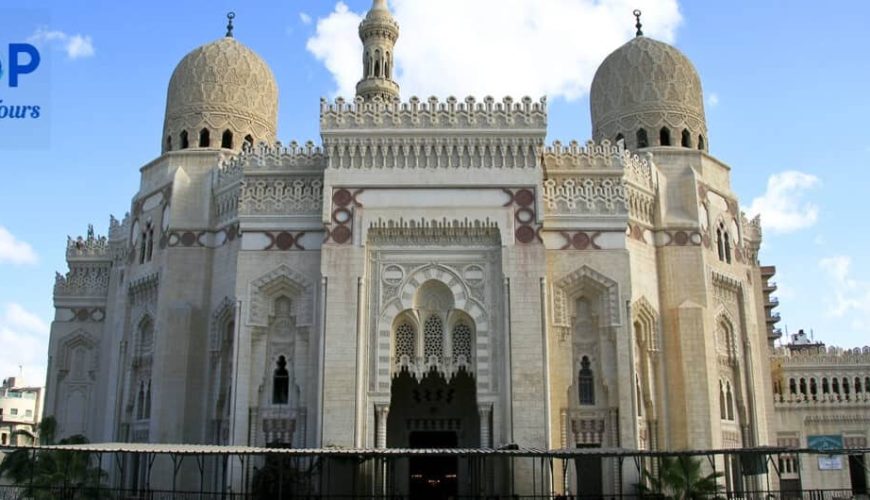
785 84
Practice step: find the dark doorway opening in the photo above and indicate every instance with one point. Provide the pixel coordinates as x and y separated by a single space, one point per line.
858 472
589 484
433 477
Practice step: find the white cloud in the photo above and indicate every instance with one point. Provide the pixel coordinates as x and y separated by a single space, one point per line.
305 18
713 99
76 46
24 337
493 47
851 296
13 250
781 207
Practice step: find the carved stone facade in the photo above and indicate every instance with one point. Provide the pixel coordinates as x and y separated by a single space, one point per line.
433 266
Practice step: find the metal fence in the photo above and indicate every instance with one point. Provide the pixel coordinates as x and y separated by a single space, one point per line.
152 472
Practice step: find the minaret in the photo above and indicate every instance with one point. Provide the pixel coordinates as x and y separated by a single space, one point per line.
378 32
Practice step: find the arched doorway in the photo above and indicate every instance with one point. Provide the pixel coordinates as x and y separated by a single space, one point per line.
433 391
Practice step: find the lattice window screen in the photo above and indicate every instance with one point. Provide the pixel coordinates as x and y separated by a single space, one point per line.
433 338
405 341
462 343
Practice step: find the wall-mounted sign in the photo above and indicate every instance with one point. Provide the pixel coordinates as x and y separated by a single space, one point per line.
825 442
830 462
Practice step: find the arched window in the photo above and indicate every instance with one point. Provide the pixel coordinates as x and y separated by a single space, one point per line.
803 386
367 65
149 250
665 136
825 388
461 343
140 402
586 383
867 384
204 140
619 137
249 141
642 139
723 413
686 139
433 339
405 343
835 386
727 245
184 142
148 400
168 143
846 387
792 386
377 64
227 140
720 243
729 401
387 73
857 385
814 390
701 142
281 383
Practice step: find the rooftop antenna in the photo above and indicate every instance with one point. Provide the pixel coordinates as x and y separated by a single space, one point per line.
230 16
637 14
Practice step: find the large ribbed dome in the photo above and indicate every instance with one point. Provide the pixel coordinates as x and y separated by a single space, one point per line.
648 93
224 89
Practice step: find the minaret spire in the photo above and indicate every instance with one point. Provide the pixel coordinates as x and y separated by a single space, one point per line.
378 32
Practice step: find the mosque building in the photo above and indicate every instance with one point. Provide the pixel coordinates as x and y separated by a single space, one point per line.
431 275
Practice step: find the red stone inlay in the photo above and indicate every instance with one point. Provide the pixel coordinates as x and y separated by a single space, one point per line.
524 197
188 239
681 238
284 241
342 197
525 234
581 241
341 235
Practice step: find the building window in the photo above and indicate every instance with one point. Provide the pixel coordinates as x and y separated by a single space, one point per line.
249 141
723 243
686 139
723 413
665 136
405 343
148 400
729 401
227 140
169 143
13 411
140 402
642 139
204 139
586 383
701 142
184 142
619 137
433 339
281 383
461 343
792 386
3 438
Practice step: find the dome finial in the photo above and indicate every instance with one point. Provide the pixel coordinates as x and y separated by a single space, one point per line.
230 16
637 14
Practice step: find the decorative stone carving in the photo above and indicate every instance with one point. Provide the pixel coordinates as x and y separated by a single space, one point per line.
647 84
433 232
83 280
281 196
433 114
584 281
220 86
282 280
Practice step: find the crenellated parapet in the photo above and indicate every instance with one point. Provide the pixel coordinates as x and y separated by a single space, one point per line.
270 180
89 247
830 356
599 179
417 114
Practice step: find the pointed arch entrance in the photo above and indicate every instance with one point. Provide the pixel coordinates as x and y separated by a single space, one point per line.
433 391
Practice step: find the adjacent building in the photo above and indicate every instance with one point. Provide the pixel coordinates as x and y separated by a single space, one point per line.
20 413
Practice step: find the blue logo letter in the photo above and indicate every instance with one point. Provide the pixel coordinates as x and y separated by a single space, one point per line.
15 67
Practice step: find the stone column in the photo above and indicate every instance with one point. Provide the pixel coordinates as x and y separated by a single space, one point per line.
485 412
381 413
